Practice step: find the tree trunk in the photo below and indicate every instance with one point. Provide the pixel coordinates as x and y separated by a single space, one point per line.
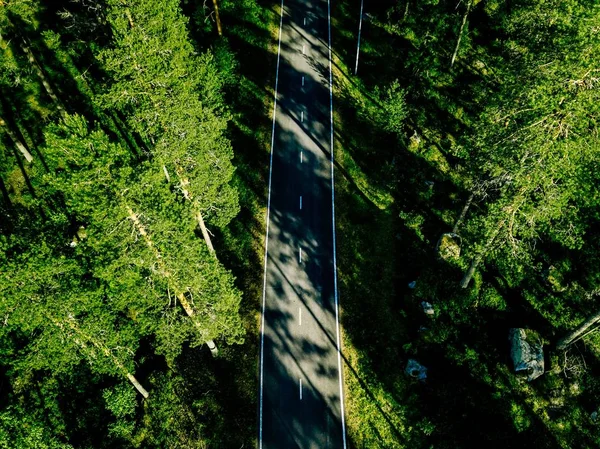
20 145
578 333
166 172
218 18
188 196
213 347
137 385
189 310
463 213
41 75
464 283
405 11
460 33
103 348
205 232
129 17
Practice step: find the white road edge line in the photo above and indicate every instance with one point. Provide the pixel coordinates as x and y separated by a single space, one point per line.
300 383
262 322
335 289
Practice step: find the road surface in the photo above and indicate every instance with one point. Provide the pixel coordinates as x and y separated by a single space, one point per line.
301 398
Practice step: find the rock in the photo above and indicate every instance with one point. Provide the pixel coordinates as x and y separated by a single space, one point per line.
416 370
448 246
427 308
412 284
527 353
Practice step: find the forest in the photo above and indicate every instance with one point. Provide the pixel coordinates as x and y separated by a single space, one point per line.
134 164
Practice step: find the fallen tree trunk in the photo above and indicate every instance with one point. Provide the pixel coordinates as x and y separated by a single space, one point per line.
189 310
103 348
188 196
43 78
463 213
460 33
464 283
578 333
218 18
20 145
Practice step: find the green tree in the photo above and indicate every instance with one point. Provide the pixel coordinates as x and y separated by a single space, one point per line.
138 229
537 139
172 98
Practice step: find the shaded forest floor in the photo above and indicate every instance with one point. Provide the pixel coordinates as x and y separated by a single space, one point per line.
251 32
394 197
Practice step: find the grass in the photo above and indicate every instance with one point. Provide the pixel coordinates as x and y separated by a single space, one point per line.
252 31
395 194
389 216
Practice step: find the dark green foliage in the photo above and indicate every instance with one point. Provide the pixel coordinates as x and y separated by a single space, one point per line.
98 248
514 123
135 110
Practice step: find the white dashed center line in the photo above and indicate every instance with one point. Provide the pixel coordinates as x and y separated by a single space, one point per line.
302 81
300 255
300 202
300 384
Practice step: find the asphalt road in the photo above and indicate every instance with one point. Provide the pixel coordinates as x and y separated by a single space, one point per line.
301 398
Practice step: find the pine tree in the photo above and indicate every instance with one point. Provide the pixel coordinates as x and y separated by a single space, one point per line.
537 137
172 99
141 240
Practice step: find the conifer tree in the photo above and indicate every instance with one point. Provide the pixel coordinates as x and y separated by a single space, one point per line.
138 229
538 138
172 99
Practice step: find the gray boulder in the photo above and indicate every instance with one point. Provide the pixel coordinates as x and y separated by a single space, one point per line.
427 308
527 353
416 370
